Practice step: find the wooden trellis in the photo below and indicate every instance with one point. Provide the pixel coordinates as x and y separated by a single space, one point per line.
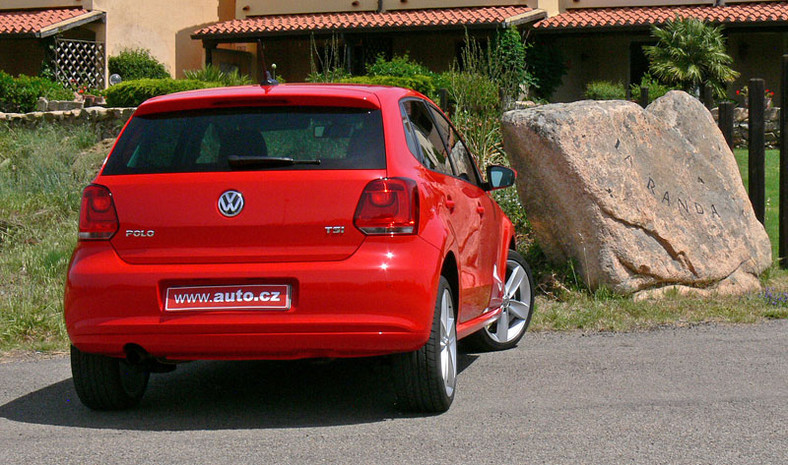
80 63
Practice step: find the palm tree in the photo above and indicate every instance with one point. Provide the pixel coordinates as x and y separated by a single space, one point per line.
690 53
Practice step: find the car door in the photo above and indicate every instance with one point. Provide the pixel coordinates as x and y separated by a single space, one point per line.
457 200
483 234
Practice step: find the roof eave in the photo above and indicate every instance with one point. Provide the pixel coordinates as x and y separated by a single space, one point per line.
517 20
57 28
647 27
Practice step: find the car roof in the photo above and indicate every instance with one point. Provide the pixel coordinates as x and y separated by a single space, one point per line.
301 94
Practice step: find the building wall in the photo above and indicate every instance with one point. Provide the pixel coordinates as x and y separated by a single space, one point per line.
592 58
21 56
569 4
757 55
163 27
605 56
246 8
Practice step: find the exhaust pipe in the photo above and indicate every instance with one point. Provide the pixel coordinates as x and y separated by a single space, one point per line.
139 357
136 355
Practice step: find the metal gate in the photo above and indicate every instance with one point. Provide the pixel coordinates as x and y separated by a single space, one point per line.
80 63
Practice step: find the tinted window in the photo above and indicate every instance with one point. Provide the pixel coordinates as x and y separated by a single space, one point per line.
341 138
419 125
464 166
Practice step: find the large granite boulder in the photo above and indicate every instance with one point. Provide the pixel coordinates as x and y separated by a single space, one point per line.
641 200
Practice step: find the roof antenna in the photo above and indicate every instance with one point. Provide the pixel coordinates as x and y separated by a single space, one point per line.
267 80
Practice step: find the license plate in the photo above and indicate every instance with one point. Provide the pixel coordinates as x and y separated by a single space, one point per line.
246 297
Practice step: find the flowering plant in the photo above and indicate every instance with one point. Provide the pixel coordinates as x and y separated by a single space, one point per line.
767 96
744 91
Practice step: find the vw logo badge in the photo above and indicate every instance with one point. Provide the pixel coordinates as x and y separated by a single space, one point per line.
231 203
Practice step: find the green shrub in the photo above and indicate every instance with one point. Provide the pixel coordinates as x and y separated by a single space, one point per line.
605 90
19 95
423 84
472 92
133 93
132 64
212 73
398 66
656 89
508 66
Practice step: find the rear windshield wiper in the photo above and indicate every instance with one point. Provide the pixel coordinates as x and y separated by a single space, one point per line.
266 162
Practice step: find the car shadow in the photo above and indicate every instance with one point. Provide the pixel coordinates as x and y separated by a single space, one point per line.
213 395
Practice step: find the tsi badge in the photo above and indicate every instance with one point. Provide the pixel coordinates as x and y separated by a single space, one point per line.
231 203
335 229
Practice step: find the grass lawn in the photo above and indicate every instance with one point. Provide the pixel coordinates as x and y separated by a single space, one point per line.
43 171
772 222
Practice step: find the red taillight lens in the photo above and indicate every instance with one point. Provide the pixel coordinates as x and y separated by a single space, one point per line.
388 206
97 217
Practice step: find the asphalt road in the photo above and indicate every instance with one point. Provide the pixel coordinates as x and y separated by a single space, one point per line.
709 394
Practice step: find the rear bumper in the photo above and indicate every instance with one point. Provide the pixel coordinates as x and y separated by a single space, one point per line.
380 300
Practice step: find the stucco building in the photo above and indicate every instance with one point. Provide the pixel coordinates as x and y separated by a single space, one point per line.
599 39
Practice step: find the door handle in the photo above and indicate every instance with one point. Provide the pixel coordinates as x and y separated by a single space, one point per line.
450 204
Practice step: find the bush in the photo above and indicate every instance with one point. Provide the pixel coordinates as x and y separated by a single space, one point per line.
397 66
605 90
656 89
132 64
212 73
19 95
472 92
133 93
508 66
423 84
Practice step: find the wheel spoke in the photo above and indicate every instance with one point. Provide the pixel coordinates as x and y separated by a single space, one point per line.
502 332
445 315
451 368
519 309
518 274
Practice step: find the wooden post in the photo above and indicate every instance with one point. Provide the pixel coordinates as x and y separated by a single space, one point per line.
725 121
644 97
756 160
708 96
443 96
783 246
210 46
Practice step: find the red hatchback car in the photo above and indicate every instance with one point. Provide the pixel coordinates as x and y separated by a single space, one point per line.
285 222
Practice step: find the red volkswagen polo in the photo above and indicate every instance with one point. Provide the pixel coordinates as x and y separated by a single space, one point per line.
285 222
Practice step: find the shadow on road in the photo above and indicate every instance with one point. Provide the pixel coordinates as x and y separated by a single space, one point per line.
234 395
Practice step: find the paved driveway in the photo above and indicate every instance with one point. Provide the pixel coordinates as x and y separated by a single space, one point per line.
710 394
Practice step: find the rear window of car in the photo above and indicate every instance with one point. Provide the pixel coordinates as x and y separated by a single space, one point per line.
340 138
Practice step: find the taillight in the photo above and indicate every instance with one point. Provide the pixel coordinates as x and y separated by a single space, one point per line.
388 206
97 217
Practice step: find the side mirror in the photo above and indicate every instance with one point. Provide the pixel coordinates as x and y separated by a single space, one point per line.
499 177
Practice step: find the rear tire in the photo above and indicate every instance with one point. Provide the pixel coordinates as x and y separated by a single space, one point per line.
518 308
425 380
106 383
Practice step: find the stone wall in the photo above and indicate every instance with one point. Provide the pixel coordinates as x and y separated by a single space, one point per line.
106 122
741 126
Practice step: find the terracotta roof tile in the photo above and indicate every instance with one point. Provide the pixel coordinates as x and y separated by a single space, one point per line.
24 22
644 16
364 20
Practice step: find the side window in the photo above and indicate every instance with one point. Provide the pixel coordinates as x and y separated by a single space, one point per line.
433 153
459 154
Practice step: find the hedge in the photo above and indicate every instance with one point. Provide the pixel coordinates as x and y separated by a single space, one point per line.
20 94
133 64
423 84
133 93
